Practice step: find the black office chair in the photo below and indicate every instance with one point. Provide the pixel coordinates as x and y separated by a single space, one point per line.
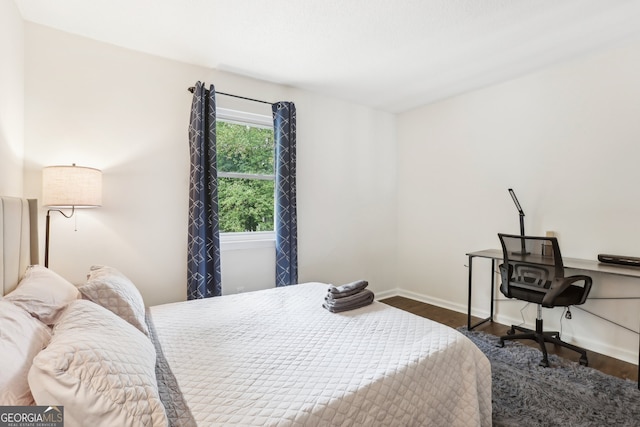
533 271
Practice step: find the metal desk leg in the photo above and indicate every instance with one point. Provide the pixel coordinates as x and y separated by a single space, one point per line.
490 318
493 280
469 295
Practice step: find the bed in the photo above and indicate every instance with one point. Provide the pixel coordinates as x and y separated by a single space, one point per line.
272 357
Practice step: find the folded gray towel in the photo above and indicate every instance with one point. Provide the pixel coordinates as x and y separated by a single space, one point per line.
343 294
352 302
348 289
350 299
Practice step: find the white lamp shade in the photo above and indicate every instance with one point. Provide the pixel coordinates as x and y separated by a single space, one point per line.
71 186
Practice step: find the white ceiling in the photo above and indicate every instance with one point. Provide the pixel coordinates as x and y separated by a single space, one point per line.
389 54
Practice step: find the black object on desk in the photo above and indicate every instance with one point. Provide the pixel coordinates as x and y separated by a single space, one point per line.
631 261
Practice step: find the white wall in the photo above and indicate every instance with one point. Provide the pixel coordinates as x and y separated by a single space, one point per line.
566 139
127 113
346 192
11 99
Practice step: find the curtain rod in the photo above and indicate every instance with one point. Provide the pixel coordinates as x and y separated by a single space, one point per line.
192 89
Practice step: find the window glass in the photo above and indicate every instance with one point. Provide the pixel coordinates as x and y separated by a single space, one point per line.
245 174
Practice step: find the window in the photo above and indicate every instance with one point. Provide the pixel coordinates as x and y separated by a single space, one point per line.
246 177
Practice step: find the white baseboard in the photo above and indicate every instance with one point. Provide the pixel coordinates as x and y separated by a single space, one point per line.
460 308
386 294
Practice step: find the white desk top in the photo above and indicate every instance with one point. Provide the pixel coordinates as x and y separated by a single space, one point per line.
574 263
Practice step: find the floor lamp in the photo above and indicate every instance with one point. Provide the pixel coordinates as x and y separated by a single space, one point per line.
69 187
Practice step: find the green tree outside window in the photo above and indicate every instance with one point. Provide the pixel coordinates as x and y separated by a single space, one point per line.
245 177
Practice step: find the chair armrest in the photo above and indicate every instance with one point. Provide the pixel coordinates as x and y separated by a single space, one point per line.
560 285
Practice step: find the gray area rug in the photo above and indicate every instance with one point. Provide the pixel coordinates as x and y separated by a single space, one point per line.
565 394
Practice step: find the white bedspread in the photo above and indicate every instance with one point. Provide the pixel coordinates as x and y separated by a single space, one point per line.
277 358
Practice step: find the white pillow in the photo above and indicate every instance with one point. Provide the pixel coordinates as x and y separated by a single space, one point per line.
100 368
111 289
43 293
21 338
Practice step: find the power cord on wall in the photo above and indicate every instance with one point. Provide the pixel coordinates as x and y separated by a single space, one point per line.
566 314
522 314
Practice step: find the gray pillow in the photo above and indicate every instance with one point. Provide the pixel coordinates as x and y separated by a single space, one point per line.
111 289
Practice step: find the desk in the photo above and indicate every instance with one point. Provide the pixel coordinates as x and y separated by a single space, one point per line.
495 255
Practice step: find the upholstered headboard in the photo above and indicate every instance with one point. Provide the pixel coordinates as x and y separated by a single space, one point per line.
19 236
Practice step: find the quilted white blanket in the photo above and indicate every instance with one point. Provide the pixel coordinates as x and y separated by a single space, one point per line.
277 358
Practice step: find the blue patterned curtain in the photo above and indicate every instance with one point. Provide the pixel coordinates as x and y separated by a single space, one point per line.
284 127
203 257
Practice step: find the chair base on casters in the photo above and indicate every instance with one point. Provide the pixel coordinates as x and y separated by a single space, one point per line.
543 337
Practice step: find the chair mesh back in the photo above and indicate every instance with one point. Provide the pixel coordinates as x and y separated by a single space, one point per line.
534 262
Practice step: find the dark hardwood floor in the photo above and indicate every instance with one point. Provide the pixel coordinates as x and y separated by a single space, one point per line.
603 363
